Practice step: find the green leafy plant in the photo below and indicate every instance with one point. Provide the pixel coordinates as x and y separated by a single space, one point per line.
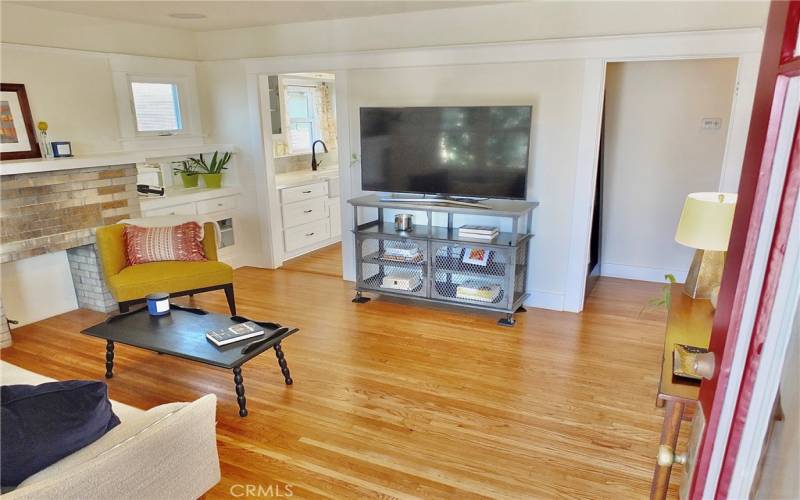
184 167
215 166
663 300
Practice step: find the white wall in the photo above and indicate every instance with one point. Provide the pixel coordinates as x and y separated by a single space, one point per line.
225 116
71 91
37 288
656 152
28 25
502 22
553 88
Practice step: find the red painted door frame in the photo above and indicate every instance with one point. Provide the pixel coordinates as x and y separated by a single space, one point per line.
777 64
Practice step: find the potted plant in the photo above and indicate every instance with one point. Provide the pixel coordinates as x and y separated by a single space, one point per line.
212 170
188 172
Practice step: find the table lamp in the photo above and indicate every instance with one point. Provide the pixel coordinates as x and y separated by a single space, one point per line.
706 225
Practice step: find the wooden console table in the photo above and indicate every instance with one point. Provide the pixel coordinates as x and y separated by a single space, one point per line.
689 322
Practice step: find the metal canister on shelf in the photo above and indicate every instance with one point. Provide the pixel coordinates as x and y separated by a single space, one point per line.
404 222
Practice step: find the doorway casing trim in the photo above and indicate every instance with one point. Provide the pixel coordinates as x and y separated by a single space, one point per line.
597 52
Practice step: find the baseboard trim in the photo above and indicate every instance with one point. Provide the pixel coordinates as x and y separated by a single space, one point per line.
640 273
544 299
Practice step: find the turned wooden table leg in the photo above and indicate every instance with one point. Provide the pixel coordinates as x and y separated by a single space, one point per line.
673 415
238 380
282 362
109 359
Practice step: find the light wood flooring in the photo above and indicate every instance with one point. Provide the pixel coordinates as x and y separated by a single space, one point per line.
326 260
394 399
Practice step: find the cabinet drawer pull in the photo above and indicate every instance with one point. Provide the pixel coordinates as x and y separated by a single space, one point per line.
219 204
307 192
307 211
309 234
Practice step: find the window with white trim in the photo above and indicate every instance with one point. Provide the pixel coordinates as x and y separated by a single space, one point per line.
157 107
302 121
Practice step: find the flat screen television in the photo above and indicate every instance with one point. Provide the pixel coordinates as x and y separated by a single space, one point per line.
470 151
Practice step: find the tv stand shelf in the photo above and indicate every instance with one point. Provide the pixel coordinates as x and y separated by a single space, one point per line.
439 271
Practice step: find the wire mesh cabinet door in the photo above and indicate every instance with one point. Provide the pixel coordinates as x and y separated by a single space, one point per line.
392 265
473 274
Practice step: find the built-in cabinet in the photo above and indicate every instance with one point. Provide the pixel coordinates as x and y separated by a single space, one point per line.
310 215
219 205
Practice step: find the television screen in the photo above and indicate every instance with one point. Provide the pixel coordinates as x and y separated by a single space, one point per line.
477 151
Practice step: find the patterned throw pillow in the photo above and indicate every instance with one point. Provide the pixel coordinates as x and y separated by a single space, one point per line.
155 244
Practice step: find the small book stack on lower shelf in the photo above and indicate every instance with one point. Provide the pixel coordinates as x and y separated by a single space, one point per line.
481 233
478 290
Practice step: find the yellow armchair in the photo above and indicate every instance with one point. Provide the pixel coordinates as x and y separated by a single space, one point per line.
131 284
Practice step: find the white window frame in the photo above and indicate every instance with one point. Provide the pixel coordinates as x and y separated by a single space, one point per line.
316 132
180 86
128 69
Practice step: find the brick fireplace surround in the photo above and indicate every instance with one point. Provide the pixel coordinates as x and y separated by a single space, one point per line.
46 212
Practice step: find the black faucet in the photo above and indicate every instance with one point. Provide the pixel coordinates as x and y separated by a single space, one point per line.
314 163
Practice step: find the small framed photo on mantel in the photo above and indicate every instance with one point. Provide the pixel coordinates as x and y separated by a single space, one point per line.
17 136
61 149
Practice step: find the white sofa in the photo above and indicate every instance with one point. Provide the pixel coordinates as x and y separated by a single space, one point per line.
169 451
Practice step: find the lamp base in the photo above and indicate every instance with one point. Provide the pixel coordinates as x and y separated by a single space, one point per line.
705 273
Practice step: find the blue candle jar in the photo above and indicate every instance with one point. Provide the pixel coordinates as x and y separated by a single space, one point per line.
158 304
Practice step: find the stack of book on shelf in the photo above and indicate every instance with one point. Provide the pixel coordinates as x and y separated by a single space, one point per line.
402 251
487 233
407 281
478 290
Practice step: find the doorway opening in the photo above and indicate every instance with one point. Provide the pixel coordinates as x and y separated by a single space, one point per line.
663 136
302 111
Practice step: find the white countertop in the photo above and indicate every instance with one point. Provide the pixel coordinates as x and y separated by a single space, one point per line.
177 196
34 165
300 177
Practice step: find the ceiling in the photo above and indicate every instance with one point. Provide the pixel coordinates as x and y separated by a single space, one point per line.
223 14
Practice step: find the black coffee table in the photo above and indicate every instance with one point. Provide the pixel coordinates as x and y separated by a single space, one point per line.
182 333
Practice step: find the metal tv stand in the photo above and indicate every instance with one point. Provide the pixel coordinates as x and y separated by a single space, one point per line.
441 270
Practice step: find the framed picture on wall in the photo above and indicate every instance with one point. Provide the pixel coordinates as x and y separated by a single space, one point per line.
17 136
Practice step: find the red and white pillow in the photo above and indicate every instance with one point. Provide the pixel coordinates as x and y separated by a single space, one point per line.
156 244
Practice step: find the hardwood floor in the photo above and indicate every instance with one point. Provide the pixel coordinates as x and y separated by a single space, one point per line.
326 260
395 399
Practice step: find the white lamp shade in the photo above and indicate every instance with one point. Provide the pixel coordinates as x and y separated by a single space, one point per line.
706 221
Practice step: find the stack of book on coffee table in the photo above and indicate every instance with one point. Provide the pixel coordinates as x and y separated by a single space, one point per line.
472 232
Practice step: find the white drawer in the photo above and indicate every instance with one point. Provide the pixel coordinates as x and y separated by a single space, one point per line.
185 209
302 212
216 205
307 234
304 192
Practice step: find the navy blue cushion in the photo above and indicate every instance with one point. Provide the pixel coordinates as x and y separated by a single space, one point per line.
41 424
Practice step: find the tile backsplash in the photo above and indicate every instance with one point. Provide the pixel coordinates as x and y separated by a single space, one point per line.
294 163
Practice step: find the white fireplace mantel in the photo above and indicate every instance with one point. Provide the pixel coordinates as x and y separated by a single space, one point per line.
35 165
105 159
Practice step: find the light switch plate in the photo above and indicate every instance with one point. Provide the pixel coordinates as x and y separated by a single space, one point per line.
712 123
